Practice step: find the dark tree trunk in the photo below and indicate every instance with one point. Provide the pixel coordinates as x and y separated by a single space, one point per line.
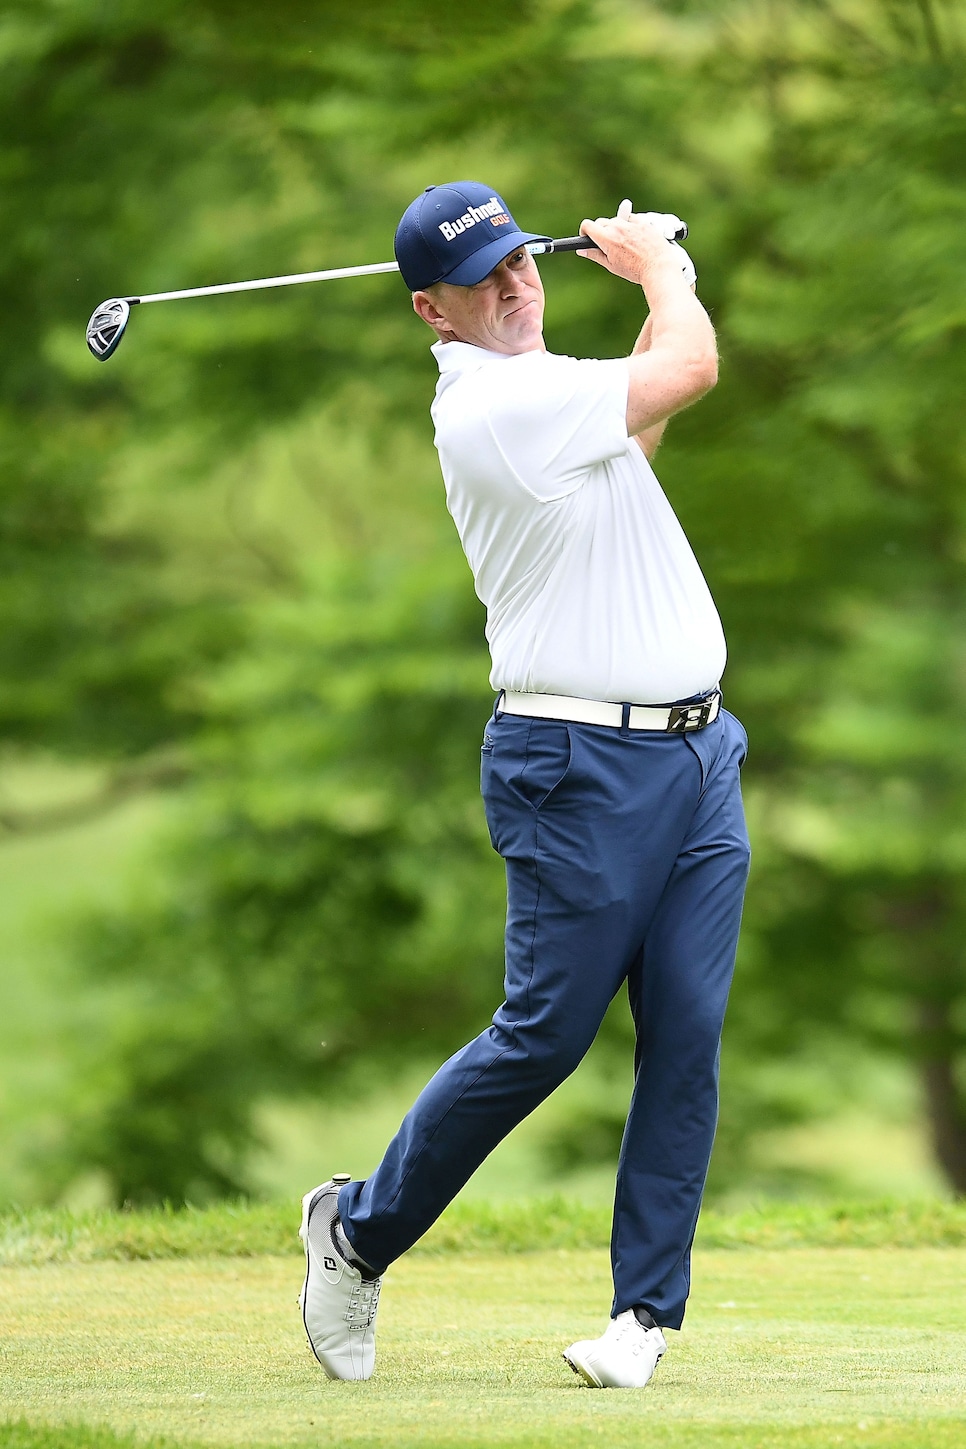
927 920
945 1100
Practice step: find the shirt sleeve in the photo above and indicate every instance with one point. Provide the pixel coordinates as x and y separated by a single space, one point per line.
555 418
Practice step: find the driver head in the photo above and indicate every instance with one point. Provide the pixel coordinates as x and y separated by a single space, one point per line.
106 327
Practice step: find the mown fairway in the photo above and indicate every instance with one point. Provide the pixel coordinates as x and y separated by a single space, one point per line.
803 1346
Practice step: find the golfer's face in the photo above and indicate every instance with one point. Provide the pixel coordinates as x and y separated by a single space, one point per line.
504 312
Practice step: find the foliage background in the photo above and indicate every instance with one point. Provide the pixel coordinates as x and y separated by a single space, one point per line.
239 644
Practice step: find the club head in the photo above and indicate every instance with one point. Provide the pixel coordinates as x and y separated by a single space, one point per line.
106 327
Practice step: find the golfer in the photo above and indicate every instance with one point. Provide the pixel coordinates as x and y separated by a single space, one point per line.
610 771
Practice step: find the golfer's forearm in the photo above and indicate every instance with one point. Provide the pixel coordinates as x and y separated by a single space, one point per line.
649 440
675 361
679 323
643 343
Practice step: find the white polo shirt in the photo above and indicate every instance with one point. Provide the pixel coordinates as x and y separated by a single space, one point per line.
590 585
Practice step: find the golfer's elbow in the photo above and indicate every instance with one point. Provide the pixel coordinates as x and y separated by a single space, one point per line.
702 371
665 381
696 371
694 376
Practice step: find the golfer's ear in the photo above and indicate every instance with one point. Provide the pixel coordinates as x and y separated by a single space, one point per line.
426 308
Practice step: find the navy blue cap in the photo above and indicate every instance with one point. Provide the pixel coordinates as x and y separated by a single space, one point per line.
456 233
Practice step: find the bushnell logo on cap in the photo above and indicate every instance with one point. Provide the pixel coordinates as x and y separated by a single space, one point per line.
492 210
456 233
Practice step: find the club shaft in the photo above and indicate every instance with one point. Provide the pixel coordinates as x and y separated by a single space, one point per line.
261 282
568 244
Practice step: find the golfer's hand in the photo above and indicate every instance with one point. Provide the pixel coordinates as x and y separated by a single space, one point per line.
636 246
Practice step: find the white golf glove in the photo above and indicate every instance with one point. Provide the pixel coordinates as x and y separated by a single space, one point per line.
671 227
687 266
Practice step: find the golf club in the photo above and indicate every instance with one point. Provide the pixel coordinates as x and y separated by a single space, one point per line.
109 320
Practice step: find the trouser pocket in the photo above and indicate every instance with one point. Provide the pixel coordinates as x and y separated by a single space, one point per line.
525 763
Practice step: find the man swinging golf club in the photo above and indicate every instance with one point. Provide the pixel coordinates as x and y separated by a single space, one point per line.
610 771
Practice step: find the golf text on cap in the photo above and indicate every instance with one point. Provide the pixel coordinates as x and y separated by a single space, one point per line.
491 210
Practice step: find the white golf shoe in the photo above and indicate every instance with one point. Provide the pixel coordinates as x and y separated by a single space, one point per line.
338 1304
624 1358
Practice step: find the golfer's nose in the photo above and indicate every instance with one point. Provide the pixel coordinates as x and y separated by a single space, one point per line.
510 283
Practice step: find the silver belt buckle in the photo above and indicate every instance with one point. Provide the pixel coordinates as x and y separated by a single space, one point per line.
684 717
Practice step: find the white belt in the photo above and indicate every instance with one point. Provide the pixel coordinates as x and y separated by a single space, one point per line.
675 718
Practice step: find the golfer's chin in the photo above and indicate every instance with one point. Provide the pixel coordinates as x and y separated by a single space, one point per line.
522 331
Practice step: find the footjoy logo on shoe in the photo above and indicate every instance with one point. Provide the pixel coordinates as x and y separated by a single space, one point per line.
332 1268
491 210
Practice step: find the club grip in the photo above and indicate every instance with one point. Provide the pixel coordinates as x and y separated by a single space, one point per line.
573 244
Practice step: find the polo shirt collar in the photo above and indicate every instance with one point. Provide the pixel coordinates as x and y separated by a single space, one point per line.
464 357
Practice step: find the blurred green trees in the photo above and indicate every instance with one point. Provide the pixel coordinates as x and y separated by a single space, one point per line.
229 564
856 309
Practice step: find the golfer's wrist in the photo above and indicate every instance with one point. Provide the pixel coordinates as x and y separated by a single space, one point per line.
662 285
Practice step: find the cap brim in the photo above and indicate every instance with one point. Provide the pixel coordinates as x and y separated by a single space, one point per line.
481 263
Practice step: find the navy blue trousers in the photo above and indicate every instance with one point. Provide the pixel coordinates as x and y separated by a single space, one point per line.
626 859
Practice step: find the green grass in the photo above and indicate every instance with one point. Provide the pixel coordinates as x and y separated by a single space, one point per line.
19 1434
799 1347
244 1230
